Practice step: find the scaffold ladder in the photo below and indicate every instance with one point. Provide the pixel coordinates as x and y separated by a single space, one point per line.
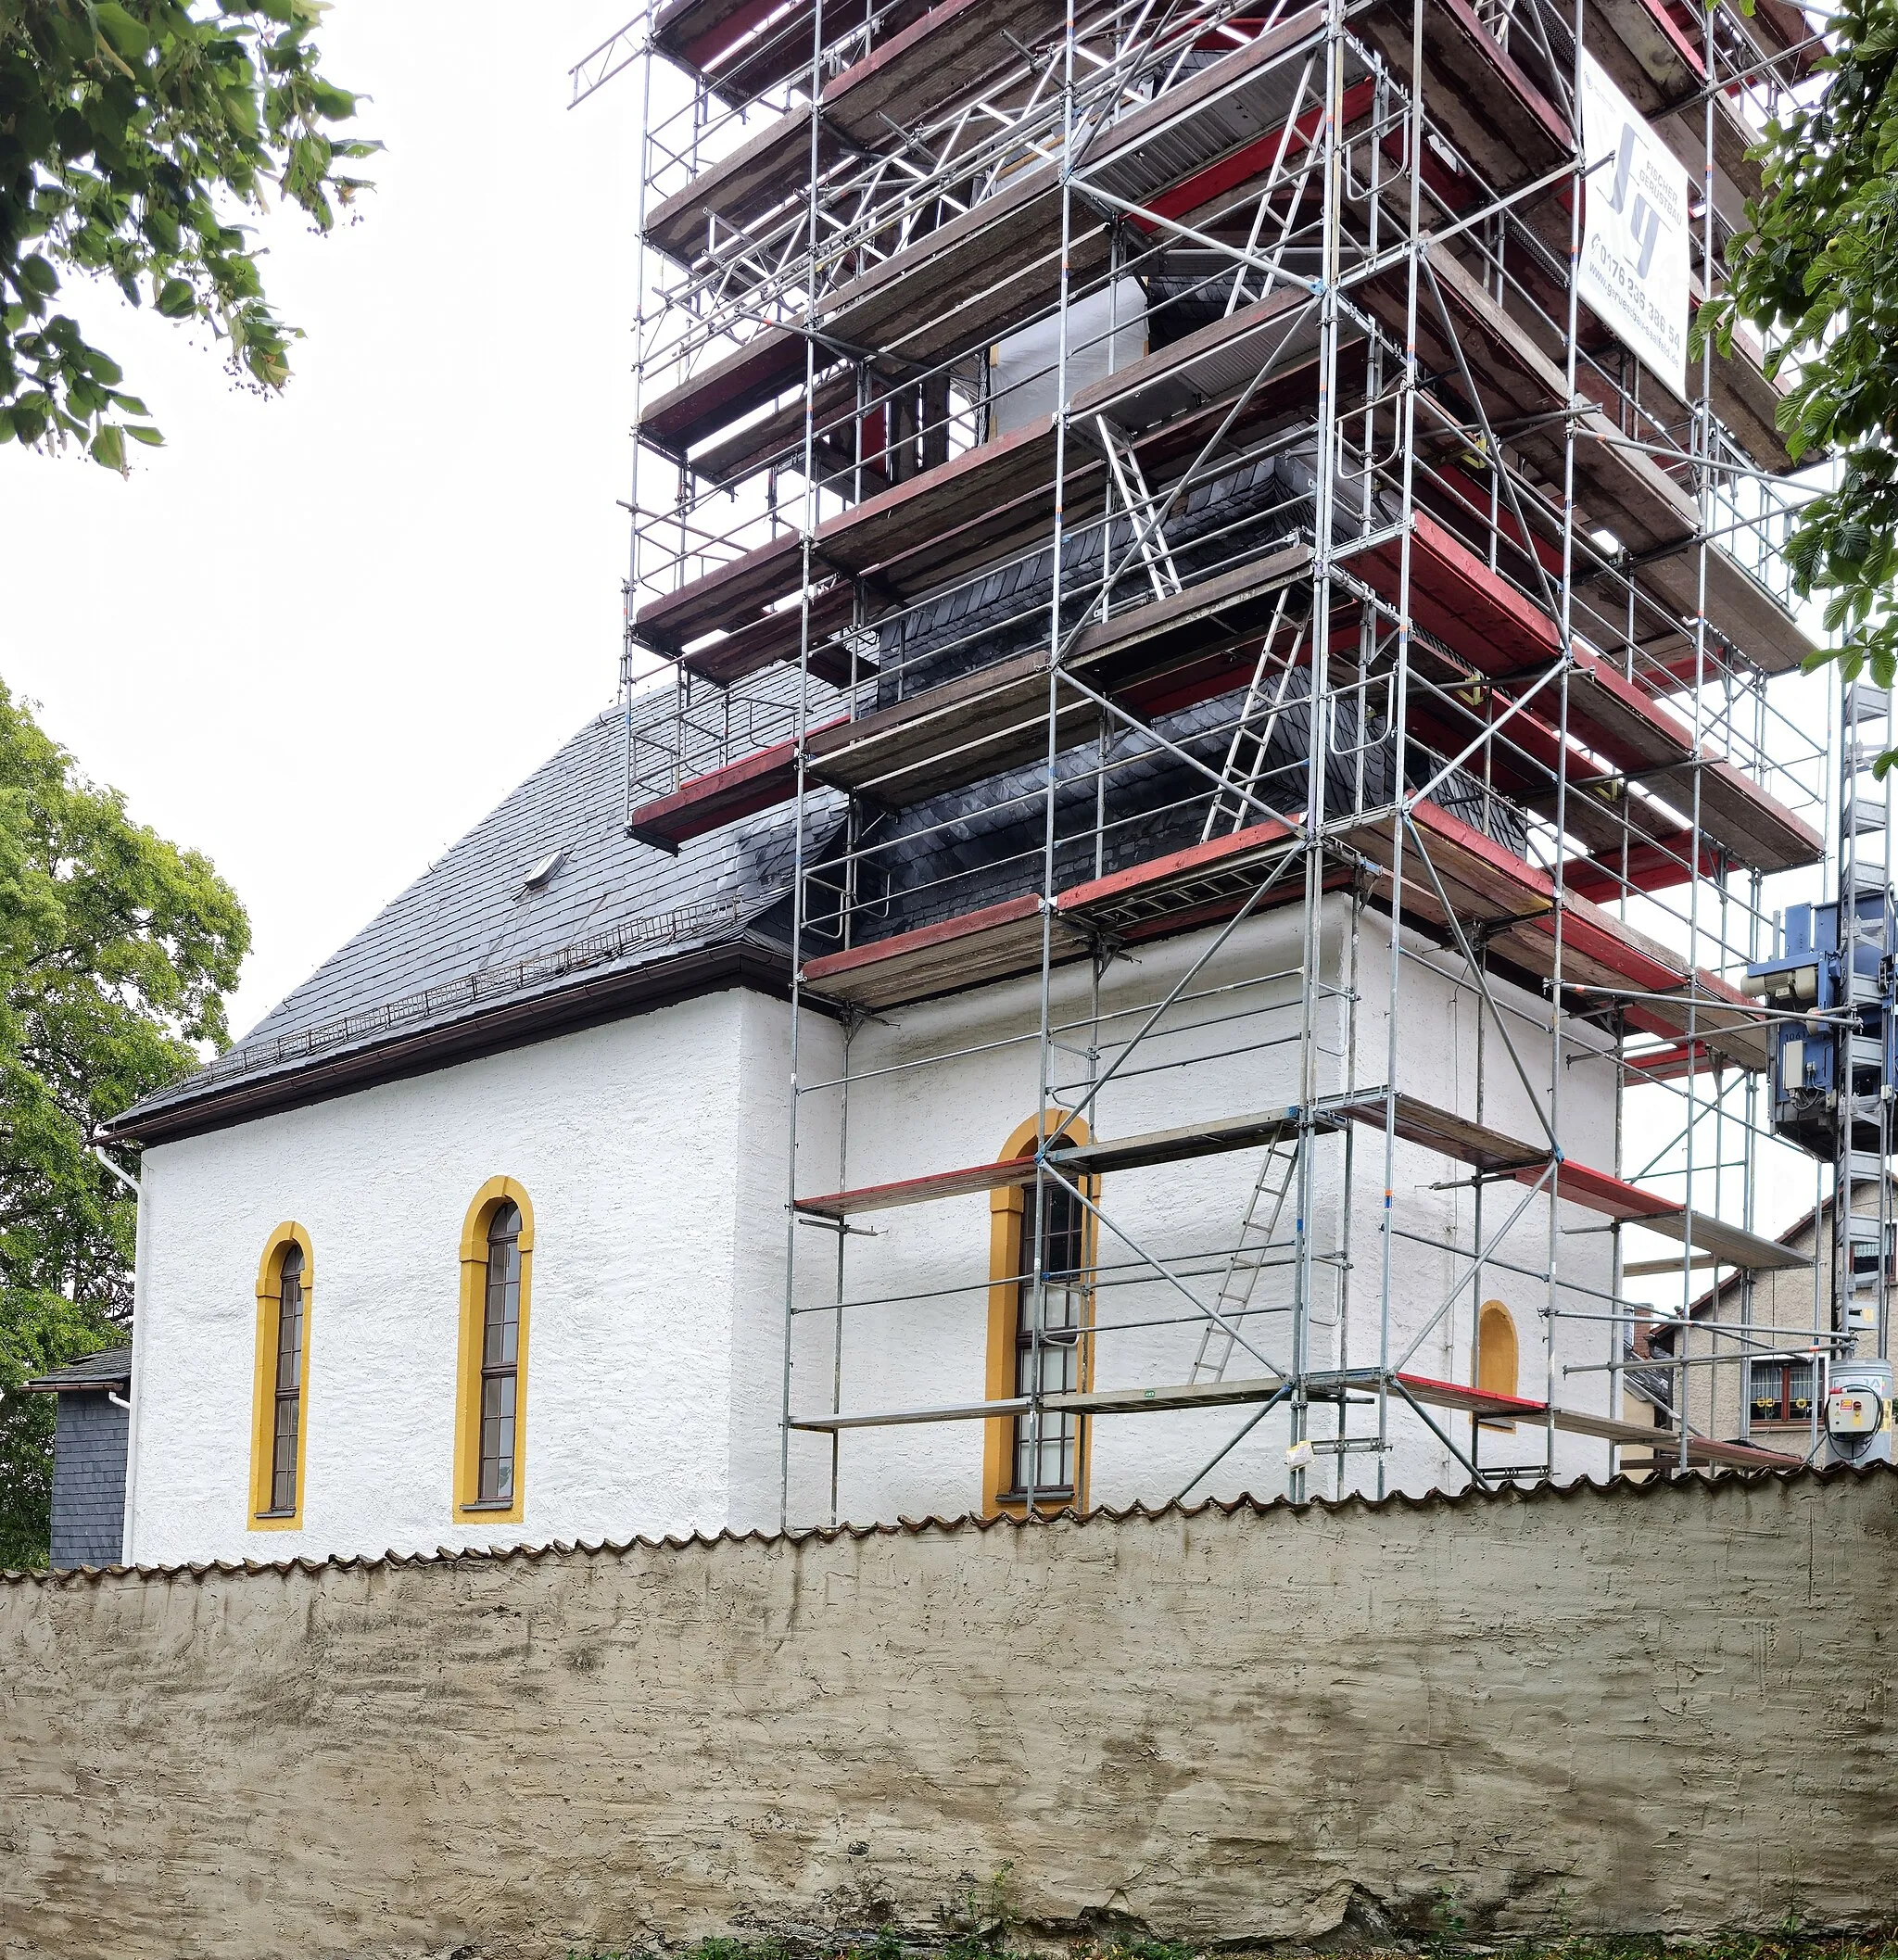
1234 804
1149 528
1248 1258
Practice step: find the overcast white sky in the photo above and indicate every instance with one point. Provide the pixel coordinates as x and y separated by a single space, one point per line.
317 637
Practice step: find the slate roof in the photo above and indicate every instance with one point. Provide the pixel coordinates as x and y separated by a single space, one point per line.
466 936
109 1369
467 913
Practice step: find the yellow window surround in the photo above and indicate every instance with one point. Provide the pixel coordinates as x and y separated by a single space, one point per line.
263 1400
1006 1211
468 1508
1497 1356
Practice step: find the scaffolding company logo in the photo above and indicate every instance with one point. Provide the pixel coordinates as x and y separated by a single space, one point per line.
1633 270
1643 217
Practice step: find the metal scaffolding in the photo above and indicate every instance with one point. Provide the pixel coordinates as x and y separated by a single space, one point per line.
1120 472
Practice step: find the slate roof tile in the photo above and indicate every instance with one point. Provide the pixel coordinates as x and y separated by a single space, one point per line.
104 1369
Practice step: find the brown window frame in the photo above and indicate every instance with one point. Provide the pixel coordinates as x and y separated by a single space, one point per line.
1782 1402
500 1373
287 1401
1061 1226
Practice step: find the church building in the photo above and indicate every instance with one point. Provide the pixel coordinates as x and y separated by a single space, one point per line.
484 1236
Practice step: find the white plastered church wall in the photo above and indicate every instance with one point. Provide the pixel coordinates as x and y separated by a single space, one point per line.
932 1351
624 1137
654 1153
760 1500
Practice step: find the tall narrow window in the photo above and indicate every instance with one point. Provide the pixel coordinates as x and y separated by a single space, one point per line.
1047 1351
491 1394
287 1400
1039 1337
280 1402
500 1357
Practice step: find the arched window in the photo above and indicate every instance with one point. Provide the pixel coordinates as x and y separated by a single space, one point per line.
501 1358
1019 1456
491 1404
1496 1359
280 1387
1048 1350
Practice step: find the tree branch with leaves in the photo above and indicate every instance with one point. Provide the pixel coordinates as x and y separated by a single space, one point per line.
1816 270
135 138
117 950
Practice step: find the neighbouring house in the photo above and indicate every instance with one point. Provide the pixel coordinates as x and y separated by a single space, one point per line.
1752 1370
89 1453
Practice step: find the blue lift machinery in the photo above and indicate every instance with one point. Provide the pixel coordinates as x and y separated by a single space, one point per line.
1834 1065
1833 1057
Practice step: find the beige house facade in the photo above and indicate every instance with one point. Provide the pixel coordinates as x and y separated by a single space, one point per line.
1753 1345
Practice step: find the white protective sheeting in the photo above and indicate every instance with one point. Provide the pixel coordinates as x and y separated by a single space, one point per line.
1106 330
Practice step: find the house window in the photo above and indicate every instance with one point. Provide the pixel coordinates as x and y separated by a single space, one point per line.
280 1396
1497 1356
491 1394
500 1357
1780 1391
1862 1243
1019 1458
1046 1455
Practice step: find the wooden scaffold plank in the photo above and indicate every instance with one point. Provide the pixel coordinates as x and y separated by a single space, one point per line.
1174 1398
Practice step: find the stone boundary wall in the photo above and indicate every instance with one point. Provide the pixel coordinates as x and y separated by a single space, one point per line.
1659 1707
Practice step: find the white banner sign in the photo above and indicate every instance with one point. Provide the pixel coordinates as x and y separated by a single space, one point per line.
1634 269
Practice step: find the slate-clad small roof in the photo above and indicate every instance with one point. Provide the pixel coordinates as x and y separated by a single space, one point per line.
109 1369
465 939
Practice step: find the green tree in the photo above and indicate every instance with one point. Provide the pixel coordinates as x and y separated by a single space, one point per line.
1817 266
116 951
134 134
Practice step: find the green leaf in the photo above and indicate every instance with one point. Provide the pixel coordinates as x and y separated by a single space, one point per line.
138 137
108 447
335 105
126 34
142 432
